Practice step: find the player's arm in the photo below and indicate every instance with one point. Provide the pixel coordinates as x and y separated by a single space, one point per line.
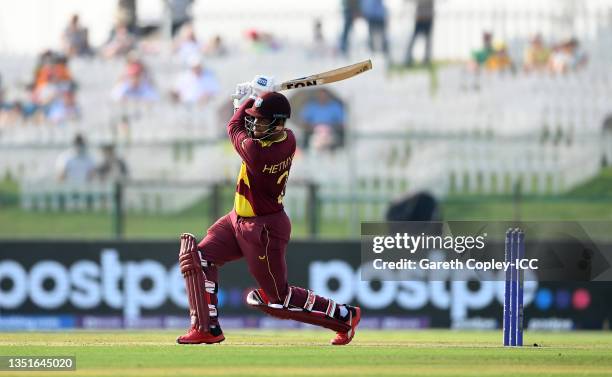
244 97
243 144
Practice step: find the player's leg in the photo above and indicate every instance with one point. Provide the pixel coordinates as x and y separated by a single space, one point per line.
264 246
196 287
408 60
427 32
346 30
218 247
371 35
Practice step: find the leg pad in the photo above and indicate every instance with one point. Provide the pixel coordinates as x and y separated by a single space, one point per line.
196 284
258 300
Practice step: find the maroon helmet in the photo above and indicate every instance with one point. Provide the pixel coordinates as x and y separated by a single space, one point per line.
270 105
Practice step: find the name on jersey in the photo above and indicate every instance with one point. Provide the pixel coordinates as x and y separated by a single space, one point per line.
276 168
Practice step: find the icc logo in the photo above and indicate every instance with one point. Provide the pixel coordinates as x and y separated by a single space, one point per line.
262 81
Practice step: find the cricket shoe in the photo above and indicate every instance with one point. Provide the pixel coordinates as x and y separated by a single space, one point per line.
343 338
194 336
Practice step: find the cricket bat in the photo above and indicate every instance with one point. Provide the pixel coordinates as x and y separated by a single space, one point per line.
322 78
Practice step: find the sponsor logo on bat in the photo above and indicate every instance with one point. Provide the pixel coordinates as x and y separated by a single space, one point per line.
301 84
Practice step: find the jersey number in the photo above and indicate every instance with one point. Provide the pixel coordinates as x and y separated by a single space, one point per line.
280 181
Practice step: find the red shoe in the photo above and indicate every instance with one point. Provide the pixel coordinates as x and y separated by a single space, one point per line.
197 337
343 338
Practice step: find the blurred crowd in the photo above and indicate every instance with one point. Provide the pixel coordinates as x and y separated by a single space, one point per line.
52 93
77 165
539 56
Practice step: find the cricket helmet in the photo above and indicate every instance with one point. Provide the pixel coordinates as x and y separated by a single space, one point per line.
271 105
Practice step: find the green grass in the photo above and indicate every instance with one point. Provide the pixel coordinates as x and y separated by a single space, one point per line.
599 187
590 201
530 209
15 223
307 353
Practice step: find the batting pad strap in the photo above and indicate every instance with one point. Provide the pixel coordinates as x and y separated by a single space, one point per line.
310 301
205 263
210 286
288 298
212 310
331 308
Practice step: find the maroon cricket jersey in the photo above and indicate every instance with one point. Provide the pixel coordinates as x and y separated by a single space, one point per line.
264 170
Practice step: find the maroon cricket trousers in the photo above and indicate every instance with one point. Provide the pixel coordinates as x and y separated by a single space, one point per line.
260 240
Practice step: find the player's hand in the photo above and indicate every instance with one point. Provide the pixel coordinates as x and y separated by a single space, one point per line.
262 84
243 92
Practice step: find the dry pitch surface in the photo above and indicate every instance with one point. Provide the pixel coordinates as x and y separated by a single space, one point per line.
307 353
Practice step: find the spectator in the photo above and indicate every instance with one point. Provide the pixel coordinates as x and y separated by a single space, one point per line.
43 62
323 117
63 107
9 112
567 57
53 81
479 57
318 40
135 83
499 60
75 39
186 44
4 105
127 14
52 69
262 41
134 63
323 139
180 12
75 165
120 42
319 47
112 168
317 32
215 47
350 11
537 55
376 16
423 25
197 85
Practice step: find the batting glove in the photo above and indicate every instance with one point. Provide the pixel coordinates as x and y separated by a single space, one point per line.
262 84
243 92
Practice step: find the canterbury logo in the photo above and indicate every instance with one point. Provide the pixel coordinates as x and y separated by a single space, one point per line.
261 257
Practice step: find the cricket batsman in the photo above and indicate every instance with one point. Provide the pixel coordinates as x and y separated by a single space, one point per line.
257 229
